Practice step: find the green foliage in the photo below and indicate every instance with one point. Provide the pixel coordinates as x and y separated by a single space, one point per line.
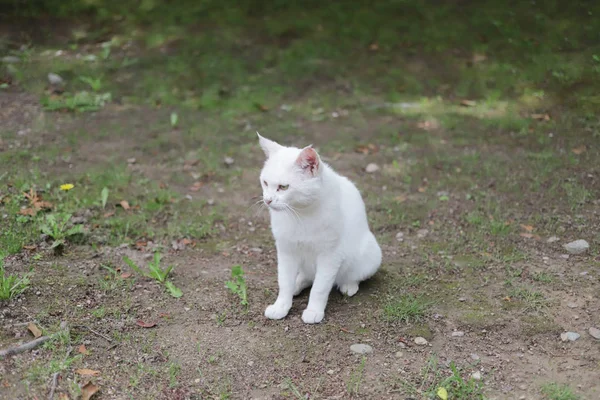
11 285
104 197
157 273
56 227
554 391
407 308
237 284
80 101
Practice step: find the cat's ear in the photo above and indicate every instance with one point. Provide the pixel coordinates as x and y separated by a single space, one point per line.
309 160
269 147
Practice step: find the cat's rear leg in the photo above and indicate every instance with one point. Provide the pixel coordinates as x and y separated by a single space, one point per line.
349 289
302 282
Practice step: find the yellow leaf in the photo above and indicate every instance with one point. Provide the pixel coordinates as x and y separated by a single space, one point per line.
442 393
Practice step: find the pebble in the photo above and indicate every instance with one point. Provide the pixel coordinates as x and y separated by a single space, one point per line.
572 305
10 59
372 168
400 236
399 354
476 375
250 363
228 160
421 233
577 247
401 345
421 341
595 332
330 372
552 239
569 336
462 299
360 348
475 356
55 79
458 334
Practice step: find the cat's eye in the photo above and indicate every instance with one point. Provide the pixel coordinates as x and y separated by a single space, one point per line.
265 182
283 187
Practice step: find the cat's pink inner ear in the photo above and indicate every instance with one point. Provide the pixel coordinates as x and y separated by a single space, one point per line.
308 160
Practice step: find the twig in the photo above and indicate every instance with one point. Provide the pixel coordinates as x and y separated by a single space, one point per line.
25 347
96 333
53 387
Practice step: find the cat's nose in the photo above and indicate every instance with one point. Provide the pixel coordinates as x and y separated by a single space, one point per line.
268 201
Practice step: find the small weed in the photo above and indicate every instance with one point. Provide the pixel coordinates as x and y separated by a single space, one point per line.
95 83
11 285
56 227
353 385
499 227
554 391
80 101
543 277
293 388
174 120
157 273
99 312
407 308
104 197
174 370
533 300
238 284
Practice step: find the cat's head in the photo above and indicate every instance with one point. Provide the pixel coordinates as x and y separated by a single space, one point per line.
291 177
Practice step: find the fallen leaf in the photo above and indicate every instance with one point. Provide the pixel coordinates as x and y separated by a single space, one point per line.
528 228
81 349
164 315
478 57
442 393
124 204
526 235
63 396
88 390
140 245
366 148
196 186
126 275
109 214
145 324
186 241
87 372
468 103
374 47
540 117
422 189
507 298
32 247
261 107
28 211
400 199
34 330
579 150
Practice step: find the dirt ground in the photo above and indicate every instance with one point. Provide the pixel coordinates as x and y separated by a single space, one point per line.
473 201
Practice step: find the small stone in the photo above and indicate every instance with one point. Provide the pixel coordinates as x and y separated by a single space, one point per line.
55 79
421 341
400 236
475 356
401 345
565 256
577 247
38 293
131 160
210 202
360 348
458 334
462 299
330 372
572 305
595 332
421 233
228 160
10 59
250 363
197 380
569 336
371 168
399 354
476 375
552 239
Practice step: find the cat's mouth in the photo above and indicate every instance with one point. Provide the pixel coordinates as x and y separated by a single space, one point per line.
276 207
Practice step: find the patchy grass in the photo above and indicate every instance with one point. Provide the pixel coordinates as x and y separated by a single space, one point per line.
555 391
11 285
407 308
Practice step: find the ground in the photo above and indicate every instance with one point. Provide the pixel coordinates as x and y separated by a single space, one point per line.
482 127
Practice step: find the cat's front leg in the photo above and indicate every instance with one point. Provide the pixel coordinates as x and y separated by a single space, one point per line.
288 265
327 270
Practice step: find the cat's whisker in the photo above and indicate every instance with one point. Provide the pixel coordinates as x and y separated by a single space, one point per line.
293 212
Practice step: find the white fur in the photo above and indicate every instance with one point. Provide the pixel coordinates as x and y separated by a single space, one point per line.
320 227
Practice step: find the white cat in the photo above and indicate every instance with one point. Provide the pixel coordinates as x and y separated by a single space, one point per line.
320 226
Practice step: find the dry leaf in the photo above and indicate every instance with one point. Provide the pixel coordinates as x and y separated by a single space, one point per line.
374 47
261 107
81 349
34 330
422 189
88 390
400 199
124 204
478 57
28 211
109 214
196 186
145 324
32 247
468 103
579 150
506 298
526 235
87 372
63 396
541 117
528 228
126 275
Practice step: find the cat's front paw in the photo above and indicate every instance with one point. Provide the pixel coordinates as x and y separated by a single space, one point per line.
312 317
277 310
